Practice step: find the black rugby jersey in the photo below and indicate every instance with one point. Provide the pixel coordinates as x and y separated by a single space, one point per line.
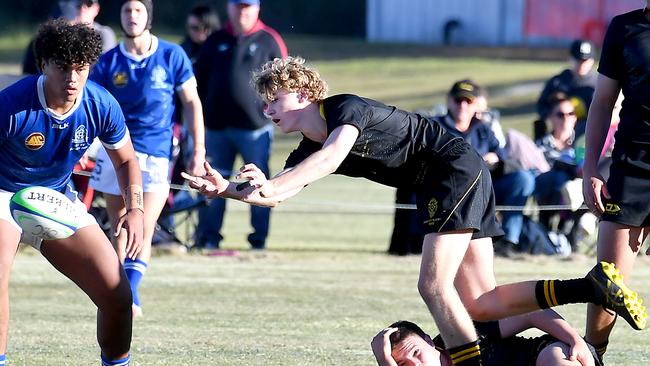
394 147
509 351
626 57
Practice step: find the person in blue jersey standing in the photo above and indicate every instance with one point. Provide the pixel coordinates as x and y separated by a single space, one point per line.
234 116
144 73
46 124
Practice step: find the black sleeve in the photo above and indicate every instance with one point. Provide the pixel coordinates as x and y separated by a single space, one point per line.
611 58
302 152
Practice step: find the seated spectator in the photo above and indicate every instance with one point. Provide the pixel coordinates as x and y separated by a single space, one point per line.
512 184
578 82
558 148
490 117
405 343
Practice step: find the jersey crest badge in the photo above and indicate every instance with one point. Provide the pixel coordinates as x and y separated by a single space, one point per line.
35 141
80 139
158 78
120 79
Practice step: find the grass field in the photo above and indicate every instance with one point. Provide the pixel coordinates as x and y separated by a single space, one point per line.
324 287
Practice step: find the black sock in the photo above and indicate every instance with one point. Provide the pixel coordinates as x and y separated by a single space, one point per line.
551 293
601 349
468 354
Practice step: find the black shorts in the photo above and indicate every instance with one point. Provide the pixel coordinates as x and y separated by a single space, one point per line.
629 187
459 196
515 350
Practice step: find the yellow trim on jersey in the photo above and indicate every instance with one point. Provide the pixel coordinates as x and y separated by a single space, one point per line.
321 110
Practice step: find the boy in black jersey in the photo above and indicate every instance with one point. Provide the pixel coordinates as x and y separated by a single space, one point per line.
404 343
622 200
359 137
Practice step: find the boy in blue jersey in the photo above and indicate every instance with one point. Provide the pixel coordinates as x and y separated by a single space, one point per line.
144 73
46 124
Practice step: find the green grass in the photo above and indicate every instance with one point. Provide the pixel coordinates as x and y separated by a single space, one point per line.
294 307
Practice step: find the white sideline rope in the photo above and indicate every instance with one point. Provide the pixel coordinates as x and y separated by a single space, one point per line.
356 207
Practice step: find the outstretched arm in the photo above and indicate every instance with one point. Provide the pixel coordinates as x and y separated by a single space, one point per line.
316 166
213 184
552 323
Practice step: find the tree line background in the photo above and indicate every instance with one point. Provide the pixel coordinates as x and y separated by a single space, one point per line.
322 17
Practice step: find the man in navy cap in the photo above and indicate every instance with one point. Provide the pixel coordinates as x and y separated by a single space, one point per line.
234 114
578 82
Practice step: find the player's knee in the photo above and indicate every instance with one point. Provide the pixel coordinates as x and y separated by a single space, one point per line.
555 354
479 312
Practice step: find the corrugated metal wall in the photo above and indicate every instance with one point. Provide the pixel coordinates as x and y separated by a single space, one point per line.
423 21
490 22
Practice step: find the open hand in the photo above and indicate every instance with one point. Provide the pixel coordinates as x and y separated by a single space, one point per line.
212 184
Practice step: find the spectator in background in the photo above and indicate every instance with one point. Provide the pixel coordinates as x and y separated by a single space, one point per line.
577 82
559 151
234 113
512 185
489 116
201 21
621 201
144 73
74 11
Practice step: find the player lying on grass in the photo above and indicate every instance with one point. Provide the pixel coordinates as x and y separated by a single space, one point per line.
405 344
47 122
359 137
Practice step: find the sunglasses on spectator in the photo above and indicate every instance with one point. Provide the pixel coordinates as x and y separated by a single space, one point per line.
459 100
564 115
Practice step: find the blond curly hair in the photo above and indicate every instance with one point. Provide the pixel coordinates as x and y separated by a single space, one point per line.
290 74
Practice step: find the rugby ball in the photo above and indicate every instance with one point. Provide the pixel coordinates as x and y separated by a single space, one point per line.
44 213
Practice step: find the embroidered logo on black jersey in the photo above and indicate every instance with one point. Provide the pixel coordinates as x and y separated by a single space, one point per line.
432 208
35 141
120 79
612 209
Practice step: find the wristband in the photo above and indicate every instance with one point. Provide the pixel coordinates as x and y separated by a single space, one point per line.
242 186
133 198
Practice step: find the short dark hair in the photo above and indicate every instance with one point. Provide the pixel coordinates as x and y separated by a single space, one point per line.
405 329
207 16
67 44
557 98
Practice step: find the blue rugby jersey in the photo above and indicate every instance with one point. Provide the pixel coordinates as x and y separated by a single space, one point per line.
39 147
144 85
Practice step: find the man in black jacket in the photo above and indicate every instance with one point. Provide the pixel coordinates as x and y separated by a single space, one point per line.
234 114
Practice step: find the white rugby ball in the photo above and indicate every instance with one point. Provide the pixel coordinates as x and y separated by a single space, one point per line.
44 213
